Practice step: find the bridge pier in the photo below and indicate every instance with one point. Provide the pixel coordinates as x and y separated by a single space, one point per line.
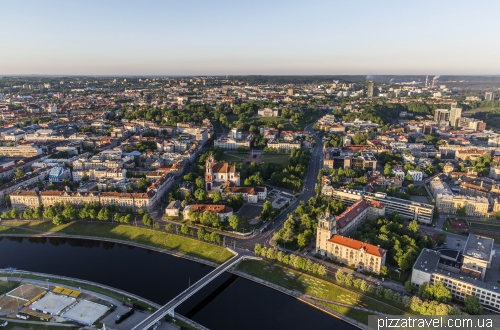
171 313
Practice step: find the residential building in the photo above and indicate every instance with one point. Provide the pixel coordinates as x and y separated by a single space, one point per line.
57 174
249 194
223 211
489 96
284 145
415 175
356 214
173 209
442 115
455 114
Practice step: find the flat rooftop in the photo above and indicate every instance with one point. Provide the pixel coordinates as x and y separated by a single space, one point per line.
479 247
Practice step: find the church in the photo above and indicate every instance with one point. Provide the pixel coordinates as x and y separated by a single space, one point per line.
220 175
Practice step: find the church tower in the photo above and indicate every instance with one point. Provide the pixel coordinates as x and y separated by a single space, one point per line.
327 227
209 172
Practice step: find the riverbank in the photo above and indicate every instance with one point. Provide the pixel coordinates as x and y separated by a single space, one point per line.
149 238
344 303
351 314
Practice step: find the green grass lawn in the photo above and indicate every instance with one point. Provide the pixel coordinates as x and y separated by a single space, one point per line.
8 230
234 157
318 287
145 236
276 158
6 286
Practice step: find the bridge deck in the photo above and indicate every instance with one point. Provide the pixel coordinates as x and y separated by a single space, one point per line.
183 296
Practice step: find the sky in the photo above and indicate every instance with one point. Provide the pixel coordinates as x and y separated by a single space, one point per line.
272 37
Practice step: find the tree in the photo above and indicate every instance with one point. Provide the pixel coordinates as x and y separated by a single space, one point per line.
258 249
58 220
184 229
201 232
7 201
384 271
200 184
408 178
301 240
408 287
217 197
117 217
200 195
104 215
50 213
147 220
18 173
340 276
472 305
142 184
413 226
214 237
234 221
461 210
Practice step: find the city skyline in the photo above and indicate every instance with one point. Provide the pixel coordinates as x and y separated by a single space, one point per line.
226 38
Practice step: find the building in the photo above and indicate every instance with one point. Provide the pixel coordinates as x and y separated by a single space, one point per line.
489 96
370 89
363 256
495 172
284 145
423 213
461 278
173 208
366 160
218 174
249 194
224 212
57 174
415 175
356 214
186 187
442 115
24 150
268 112
455 114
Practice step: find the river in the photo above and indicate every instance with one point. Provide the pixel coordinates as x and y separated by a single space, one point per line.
228 302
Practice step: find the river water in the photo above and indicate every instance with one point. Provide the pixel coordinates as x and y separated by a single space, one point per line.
228 302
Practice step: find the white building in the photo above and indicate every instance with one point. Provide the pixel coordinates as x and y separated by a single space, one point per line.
415 175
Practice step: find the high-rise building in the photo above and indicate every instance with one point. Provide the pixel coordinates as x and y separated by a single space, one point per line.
442 115
290 92
489 96
369 92
455 113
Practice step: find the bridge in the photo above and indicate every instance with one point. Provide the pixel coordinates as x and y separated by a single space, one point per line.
169 307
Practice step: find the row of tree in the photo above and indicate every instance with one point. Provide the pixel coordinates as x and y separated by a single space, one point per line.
414 303
290 259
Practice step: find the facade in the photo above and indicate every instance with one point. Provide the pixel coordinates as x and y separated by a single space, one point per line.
423 213
57 174
365 161
370 89
284 145
268 112
356 214
495 172
462 279
415 175
365 257
224 212
489 96
20 151
442 115
249 194
217 174
173 208
455 114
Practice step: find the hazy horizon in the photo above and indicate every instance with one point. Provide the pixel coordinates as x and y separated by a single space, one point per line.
198 38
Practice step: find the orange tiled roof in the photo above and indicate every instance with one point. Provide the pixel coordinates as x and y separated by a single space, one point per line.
358 245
